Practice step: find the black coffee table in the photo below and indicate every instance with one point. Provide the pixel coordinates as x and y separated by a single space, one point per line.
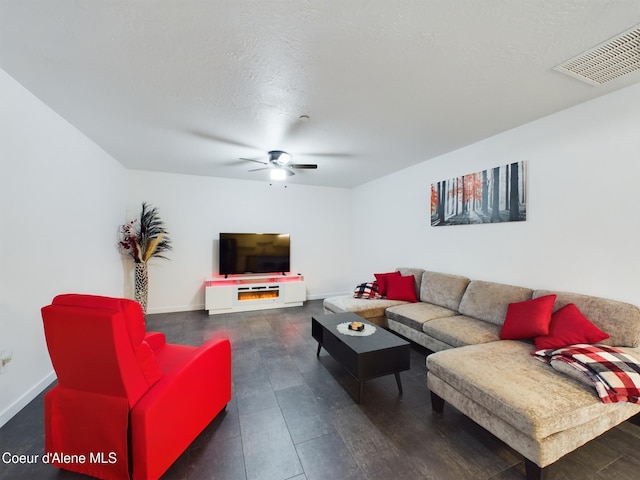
364 357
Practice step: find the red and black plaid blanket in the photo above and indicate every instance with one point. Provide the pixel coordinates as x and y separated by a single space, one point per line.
615 374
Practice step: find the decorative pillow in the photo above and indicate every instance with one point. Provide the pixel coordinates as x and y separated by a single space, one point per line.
382 281
401 288
528 319
569 327
367 290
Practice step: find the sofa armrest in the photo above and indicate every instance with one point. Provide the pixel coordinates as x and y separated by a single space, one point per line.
179 406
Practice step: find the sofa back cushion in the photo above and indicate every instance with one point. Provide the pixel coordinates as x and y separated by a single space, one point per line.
620 320
417 276
443 289
489 301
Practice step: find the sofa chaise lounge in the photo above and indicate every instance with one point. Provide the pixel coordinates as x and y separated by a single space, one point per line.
541 413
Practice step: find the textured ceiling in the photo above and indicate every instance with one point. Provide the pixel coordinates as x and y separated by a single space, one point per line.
190 86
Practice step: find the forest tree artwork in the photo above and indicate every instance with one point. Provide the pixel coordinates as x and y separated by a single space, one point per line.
491 196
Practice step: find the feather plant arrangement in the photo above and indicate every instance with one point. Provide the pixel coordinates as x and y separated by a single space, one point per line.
145 237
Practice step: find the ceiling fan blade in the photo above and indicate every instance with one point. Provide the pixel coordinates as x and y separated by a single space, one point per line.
220 139
254 160
258 169
307 166
328 154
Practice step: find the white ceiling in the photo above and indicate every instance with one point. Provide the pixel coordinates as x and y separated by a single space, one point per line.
190 86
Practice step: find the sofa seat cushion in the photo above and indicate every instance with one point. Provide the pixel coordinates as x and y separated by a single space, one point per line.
505 379
414 315
459 331
363 307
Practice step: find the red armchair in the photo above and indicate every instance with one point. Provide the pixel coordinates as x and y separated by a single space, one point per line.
127 404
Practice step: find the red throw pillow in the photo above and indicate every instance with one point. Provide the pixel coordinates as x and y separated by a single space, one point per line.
528 319
382 281
401 288
569 327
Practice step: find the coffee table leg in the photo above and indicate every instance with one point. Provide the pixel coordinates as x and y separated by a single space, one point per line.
399 382
319 347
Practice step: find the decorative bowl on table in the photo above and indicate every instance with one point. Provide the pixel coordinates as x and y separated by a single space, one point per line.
356 326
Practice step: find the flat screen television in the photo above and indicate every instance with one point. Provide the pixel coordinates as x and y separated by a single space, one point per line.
241 253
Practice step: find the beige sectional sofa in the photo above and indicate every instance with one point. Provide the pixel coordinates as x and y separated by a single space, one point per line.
541 413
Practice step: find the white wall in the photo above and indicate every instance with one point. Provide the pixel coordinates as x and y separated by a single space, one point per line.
196 209
61 201
582 232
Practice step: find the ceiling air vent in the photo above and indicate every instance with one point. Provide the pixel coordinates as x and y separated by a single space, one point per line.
609 60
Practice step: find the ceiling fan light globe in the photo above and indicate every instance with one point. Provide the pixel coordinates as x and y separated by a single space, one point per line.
278 157
278 174
284 158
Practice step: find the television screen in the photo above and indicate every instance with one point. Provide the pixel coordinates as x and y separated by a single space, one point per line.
254 253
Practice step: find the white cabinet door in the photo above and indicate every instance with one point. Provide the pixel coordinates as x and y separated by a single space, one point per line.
219 298
295 292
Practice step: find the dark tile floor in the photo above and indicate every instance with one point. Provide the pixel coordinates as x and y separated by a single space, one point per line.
292 416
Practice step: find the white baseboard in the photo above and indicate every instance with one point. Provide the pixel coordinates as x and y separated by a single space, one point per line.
174 309
24 400
189 308
322 296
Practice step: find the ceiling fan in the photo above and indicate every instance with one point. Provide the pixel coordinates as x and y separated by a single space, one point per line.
279 164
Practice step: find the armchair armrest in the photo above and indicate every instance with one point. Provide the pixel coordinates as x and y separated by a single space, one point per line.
155 339
179 406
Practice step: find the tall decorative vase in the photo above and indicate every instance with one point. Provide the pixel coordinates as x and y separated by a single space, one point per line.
141 285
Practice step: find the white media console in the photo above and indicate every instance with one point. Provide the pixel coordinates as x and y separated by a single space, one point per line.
243 293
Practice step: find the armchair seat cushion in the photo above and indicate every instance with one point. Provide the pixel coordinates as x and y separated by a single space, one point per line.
171 356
